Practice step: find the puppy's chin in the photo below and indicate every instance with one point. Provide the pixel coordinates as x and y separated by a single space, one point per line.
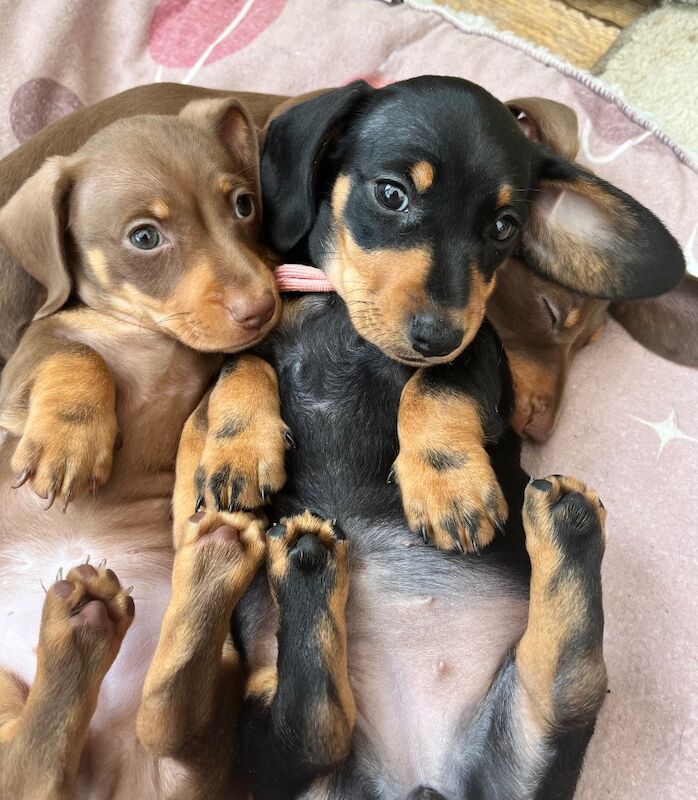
218 336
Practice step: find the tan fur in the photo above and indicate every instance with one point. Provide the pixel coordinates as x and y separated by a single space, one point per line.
67 439
557 609
160 209
192 690
246 433
504 196
422 174
73 656
448 425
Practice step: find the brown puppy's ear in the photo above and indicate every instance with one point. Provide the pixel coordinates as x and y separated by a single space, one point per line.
666 325
293 149
229 121
552 124
32 230
593 238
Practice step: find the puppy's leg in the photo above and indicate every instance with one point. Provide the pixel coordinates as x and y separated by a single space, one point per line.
540 713
194 685
59 398
242 462
42 731
298 717
447 415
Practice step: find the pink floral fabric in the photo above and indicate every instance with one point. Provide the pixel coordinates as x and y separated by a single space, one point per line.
630 426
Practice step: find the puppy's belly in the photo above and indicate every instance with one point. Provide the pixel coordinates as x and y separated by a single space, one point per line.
418 664
135 537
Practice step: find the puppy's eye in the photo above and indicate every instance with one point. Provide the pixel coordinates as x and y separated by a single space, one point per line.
244 205
392 196
503 229
145 237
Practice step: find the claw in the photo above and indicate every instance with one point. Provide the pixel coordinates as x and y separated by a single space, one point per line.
391 475
264 493
423 533
199 504
290 441
458 546
22 478
67 499
102 564
49 500
59 575
128 590
87 559
338 532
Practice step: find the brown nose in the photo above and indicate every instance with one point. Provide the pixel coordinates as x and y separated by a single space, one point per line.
252 312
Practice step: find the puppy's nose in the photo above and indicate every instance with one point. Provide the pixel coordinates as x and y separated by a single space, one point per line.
432 336
252 312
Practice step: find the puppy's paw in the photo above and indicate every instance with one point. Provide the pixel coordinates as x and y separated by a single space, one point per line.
219 550
451 498
562 518
65 450
84 620
308 549
242 464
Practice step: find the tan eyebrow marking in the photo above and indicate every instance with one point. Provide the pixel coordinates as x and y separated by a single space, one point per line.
159 208
572 318
225 184
422 174
505 195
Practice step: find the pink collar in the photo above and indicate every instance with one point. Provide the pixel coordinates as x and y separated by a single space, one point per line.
301 278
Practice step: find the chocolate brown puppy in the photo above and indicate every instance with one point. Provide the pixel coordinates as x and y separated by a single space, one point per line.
143 248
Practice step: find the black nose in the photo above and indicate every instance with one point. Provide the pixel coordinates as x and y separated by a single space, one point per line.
432 336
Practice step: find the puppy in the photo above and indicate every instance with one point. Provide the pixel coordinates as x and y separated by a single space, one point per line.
144 244
380 667
543 325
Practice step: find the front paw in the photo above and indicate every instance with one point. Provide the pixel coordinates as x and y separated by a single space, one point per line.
451 498
242 463
63 452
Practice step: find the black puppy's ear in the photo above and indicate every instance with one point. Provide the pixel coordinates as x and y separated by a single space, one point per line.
293 149
593 238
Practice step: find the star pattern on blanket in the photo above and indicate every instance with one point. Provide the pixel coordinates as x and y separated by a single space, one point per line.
667 430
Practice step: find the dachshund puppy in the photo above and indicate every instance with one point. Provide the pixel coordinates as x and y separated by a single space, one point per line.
144 244
379 666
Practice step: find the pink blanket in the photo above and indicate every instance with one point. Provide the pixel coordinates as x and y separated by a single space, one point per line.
630 426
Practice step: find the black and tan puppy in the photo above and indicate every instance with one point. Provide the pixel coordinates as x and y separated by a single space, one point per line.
380 667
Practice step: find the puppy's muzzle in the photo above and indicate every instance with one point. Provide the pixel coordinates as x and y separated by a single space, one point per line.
252 313
431 335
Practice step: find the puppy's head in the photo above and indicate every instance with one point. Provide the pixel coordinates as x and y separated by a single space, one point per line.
156 220
411 196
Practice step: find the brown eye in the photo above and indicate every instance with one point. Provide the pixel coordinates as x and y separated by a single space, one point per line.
244 205
503 229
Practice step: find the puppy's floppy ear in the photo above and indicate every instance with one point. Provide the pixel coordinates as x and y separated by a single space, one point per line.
293 149
32 230
227 120
582 232
552 124
593 238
